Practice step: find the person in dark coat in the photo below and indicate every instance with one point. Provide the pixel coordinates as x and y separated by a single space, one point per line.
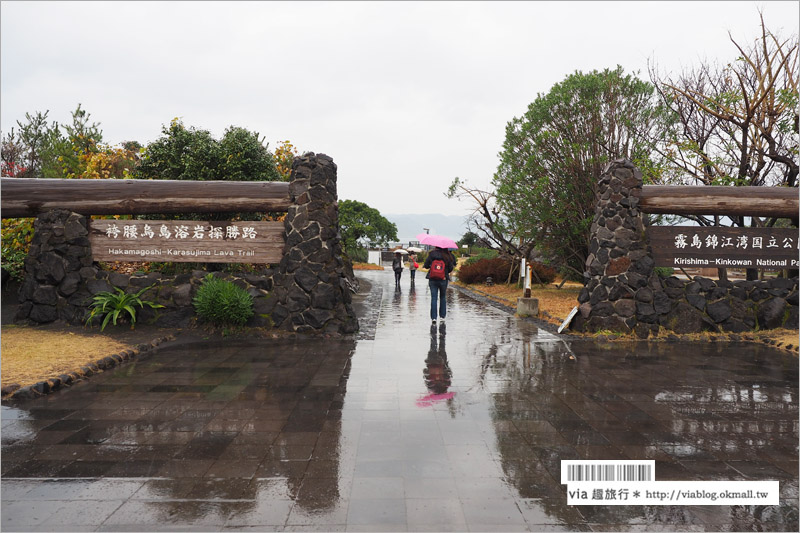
397 266
438 286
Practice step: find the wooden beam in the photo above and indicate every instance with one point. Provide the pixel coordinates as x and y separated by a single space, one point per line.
783 202
26 197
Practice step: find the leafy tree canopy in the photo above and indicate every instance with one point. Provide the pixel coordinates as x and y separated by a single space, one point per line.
193 154
362 225
42 149
553 155
469 238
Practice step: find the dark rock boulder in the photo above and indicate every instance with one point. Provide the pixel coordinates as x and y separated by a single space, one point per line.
685 318
662 303
719 310
697 301
771 313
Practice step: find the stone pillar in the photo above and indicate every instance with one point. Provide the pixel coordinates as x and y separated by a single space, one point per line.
618 268
57 268
310 286
623 293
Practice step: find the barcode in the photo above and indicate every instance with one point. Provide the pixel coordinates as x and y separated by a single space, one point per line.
575 471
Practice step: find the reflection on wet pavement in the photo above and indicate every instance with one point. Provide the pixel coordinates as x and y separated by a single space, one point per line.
460 426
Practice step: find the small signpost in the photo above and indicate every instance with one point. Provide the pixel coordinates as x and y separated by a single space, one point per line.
717 247
186 241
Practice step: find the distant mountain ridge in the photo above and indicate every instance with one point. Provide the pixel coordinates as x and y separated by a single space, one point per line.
409 226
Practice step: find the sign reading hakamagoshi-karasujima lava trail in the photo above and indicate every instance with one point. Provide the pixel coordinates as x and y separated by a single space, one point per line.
717 247
186 241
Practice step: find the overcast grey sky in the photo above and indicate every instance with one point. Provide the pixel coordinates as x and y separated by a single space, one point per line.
403 95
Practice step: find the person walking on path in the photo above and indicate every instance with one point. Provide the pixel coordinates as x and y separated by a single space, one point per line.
412 266
397 266
439 263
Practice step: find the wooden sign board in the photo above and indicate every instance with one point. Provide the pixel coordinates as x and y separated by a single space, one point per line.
717 247
186 241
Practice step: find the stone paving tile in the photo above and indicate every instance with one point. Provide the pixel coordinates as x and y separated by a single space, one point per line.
349 435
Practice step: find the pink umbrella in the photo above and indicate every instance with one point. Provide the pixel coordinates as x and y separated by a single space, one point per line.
437 240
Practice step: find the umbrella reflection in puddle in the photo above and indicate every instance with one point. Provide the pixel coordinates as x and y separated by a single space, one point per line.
437 374
430 399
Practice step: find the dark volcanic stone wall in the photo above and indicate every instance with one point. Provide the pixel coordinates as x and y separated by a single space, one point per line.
61 279
309 292
623 293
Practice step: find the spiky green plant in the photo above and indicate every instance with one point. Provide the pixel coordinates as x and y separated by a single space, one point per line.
222 303
114 304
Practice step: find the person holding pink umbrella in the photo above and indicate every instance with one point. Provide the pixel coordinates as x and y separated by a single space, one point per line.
440 262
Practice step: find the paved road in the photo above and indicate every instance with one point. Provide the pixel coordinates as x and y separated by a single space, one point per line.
406 427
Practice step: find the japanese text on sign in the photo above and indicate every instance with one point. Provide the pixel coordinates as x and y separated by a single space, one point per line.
741 241
187 241
719 247
198 231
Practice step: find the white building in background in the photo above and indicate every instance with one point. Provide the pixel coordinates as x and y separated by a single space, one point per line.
374 257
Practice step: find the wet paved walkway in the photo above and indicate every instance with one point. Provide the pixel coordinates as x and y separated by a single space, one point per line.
407 427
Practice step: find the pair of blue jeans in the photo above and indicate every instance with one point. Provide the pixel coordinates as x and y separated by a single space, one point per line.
438 291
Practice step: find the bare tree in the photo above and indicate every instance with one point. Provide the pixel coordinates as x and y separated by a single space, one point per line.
737 124
486 219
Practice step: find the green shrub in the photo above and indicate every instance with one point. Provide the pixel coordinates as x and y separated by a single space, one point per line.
222 303
112 305
358 255
478 271
17 234
664 272
480 254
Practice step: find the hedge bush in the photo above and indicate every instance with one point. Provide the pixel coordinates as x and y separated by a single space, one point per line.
498 268
546 273
478 271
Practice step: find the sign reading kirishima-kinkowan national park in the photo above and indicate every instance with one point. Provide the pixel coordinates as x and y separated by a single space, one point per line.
186 241
718 247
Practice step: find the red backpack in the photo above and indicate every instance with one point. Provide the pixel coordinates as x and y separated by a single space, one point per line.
438 269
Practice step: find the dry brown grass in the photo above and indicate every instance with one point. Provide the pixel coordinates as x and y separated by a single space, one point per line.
781 337
32 354
366 266
554 304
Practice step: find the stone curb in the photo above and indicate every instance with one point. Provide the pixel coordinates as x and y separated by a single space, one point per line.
15 392
721 337
718 337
